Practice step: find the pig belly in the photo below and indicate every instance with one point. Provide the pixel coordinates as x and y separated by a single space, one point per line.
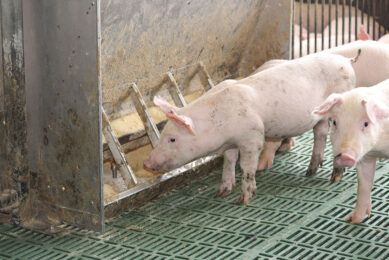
290 118
289 112
284 127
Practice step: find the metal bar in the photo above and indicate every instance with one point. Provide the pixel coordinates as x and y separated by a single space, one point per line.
117 153
175 91
374 12
316 25
380 16
384 9
329 23
363 12
337 22
301 29
343 10
144 114
205 78
368 17
293 33
349 21
322 25
308 25
356 20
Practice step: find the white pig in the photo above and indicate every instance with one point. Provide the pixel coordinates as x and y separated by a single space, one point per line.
371 68
373 26
319 44
236 115
359 134
320 14
384 39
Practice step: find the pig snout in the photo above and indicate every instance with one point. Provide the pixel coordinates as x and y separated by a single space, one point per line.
152 165
157 162
345 159
148 164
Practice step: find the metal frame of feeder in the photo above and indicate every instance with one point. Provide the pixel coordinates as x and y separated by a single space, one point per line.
151 128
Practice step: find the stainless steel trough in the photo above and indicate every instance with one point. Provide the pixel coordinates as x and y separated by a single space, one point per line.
65 62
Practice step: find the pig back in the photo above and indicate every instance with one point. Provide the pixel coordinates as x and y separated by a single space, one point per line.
372 66
290 91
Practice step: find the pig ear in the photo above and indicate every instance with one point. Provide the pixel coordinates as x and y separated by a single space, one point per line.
165 106
181 121
363 35
375 110
328 104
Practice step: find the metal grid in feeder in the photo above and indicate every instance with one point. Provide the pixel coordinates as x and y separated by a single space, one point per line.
119 162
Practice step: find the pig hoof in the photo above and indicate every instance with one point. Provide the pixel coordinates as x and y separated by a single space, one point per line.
337 174
224 191
311 172
243 200
226 188
246 196
359 215
336 178
287 144
355 218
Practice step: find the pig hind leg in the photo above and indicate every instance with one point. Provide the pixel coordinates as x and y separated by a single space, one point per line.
286 144
267 156
320 135
228 178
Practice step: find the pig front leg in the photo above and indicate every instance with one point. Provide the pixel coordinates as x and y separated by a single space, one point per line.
228 178
267 155
365 172
248 163
319 143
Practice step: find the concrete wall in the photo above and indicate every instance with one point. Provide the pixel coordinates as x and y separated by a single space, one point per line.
141 40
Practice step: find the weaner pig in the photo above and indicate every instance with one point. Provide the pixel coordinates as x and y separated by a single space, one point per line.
359 134
371 68
236 115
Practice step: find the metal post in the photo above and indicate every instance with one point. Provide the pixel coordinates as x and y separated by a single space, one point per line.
301 28
336 23
293 33
141 108
175 91
308 25
117 153
15 123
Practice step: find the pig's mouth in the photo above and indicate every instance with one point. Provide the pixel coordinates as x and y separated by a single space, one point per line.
345 159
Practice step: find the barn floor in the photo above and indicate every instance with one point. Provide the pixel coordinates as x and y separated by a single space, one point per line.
291 217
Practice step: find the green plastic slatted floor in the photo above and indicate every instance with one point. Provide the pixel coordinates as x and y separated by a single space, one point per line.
291 217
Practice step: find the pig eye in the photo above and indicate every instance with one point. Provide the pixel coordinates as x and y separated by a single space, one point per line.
366 124
172 140
334 122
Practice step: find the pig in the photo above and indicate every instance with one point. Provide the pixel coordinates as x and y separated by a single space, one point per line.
319 44
237 115
358 20
371 68
384 39
325 14
363 35
359 134
373 65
